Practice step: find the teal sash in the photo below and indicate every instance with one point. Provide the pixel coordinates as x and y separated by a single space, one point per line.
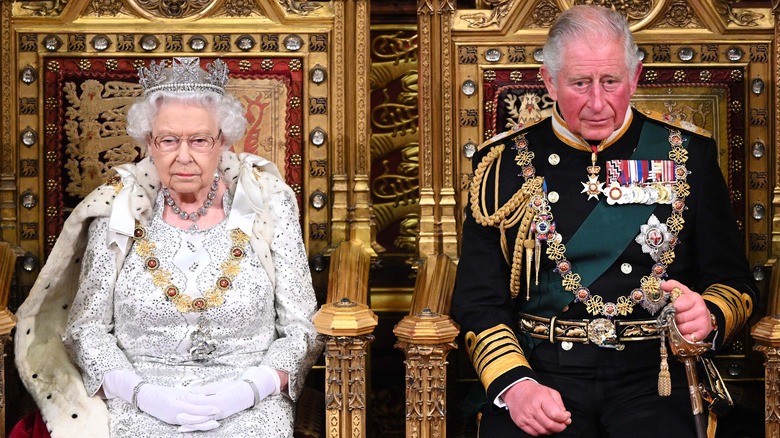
609 229
602 237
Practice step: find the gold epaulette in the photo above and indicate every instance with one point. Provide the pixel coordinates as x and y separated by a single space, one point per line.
502 135
688 126
735 305
494 352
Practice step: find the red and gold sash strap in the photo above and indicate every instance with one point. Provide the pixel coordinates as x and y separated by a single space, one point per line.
735 306
494 352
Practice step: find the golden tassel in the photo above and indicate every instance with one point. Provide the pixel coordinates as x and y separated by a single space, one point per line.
664 378
529 253
538 258
712 425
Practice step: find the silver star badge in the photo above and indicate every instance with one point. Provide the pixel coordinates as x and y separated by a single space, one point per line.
654 237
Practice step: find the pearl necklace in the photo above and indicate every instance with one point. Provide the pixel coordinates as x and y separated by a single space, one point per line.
195 215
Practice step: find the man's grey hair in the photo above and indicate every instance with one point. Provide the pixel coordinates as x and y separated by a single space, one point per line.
584 22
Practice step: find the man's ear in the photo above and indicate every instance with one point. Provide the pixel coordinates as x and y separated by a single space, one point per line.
549 83
637 75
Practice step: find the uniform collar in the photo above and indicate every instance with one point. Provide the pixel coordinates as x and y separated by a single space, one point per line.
562 132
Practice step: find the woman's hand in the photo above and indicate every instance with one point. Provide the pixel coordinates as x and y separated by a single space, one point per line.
171 405
234 396
229 397
178 406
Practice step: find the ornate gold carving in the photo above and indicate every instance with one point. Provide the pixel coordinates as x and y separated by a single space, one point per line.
240 8
28 231
426 338
742 18
318 167
45 8
499 11
467 55
766 334
318 105
633 10
28 106
299 7
401 50
174 42
77 42
544 14
362 72
679 14
426 389
110 8
345 380
6 145
318 231
759 53
469 117
172 8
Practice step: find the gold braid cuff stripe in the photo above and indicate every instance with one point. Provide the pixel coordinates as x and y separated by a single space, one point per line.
494 352
735 305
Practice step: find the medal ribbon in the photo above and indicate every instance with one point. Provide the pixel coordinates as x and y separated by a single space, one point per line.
622 228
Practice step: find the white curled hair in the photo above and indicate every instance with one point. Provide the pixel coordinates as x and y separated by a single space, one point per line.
229 112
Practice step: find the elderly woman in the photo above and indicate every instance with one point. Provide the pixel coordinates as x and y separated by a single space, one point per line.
193 305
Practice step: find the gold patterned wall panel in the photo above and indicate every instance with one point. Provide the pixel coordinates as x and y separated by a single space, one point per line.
394 137
68 75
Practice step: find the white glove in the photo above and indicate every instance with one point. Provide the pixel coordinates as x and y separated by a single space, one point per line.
171 405
237 395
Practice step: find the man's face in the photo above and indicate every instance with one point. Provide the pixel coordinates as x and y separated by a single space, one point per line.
593 88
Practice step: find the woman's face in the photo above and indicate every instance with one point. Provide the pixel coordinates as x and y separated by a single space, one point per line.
185 171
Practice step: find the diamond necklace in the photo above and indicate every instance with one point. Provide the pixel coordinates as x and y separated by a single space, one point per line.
195 215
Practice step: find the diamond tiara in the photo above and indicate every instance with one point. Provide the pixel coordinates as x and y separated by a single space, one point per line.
184 76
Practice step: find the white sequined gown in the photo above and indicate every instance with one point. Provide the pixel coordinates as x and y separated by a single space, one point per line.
128 321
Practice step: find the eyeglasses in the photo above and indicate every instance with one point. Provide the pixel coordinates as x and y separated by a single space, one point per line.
197 142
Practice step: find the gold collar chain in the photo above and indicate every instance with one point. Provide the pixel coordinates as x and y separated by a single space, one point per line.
162 278
649 294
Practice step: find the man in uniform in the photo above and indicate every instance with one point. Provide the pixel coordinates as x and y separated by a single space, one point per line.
579 230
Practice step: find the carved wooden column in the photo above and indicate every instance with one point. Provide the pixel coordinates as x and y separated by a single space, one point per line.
438 223
351 154
346 326
426 338
766 333
7 320
8 156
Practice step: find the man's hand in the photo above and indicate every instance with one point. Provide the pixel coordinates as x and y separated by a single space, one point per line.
692 316
536 409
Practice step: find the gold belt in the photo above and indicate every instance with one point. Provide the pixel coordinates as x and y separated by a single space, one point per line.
601 332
